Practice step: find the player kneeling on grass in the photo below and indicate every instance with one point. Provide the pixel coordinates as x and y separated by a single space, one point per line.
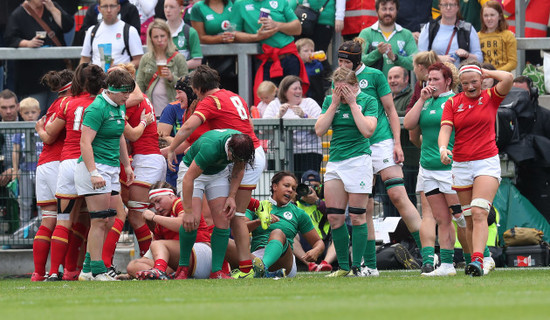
274 225
164 253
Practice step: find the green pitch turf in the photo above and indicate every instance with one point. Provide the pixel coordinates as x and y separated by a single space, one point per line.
401 295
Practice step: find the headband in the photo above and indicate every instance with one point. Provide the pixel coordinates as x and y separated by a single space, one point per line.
160 192
65 87
124 88
469 68
354 57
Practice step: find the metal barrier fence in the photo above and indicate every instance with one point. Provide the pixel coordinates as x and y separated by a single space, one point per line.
289 145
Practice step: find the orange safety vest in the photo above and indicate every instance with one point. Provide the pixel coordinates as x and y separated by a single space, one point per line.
536 17
360 14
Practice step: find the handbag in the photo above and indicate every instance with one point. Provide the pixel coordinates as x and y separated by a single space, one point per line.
518 236
308 18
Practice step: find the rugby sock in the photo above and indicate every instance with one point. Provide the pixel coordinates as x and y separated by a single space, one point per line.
467 257
97 267
86 266
369 256
219 240
41 249
245 266
59 246
161 265
340 237
143 235
358 243
486 252
447 255
187 240
416 236
478 256
109 246
428 255
78 235
273 252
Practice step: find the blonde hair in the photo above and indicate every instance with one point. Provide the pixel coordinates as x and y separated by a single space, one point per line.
266 87
344 75
128 67
454 71
162 25
425 58
29 104
300 43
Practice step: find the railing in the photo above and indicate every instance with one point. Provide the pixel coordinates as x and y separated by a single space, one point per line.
243 51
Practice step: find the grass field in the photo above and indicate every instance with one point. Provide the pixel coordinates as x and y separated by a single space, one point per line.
401 295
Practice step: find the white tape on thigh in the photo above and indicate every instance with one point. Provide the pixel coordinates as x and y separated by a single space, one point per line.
49 214
240 214
138 206
467 210
481 203
63 216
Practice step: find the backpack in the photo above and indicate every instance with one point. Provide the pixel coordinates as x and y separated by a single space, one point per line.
463 33
507 127
125 36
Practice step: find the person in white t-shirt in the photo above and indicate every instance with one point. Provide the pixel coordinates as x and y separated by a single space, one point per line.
111 31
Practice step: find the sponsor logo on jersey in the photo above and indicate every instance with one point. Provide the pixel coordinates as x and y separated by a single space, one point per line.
209 17
249 7
460 108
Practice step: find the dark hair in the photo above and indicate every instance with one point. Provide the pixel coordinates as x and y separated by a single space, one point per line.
184 84
377 3
458 14
162 184
445 71
205 79
55 80
119 78
99 2
8 94
95 79
279 176
285 85
523 79
242 148
502 24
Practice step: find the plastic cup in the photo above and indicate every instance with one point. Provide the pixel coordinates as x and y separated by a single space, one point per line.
41 34
264 13
160 65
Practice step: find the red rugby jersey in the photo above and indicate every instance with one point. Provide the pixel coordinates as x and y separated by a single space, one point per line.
72 112
203 232
52 152
148 143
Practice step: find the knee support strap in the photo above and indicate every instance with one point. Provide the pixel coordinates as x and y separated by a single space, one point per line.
394 182
481 203
356 210
49 214
433 192
102 214
138 206
467 210
335 211
455 209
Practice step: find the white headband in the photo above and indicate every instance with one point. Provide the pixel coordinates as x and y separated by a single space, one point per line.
160 192
469 68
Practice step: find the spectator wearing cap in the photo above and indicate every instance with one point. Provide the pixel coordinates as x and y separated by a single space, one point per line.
313 204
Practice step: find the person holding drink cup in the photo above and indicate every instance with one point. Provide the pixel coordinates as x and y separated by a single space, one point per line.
160 67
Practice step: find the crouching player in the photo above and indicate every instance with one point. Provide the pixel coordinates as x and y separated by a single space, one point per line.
164 252
272 242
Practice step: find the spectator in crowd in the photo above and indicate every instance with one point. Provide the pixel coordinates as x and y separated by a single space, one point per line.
398 79
453 39
172 119
348 178
413 14
97 172
25 160
47 171
127 11
476 165
22 32
488 82
358 16
292 105
315 70
160 67
437 178
421 61
387 152
211 20
469 11
111 34
267 92
272 243
498 44
163 256
315 207
387 43
205 172
275 31
146 10
6 8
184 36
